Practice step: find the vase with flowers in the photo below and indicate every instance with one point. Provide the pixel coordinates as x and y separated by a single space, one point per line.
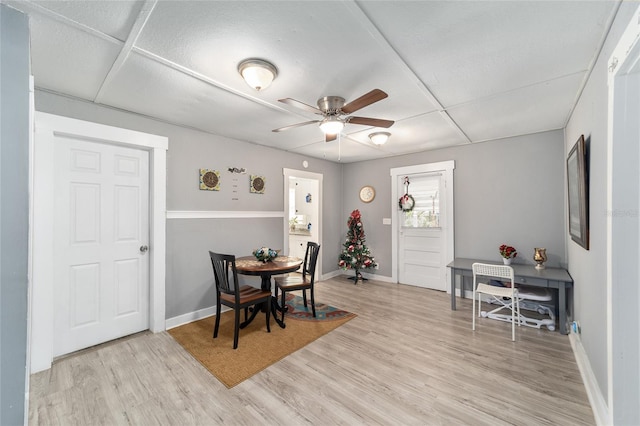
507 253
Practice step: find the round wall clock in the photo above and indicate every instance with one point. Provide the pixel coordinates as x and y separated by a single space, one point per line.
367 194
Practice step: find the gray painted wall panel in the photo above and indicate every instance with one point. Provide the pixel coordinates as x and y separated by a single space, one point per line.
507 191
191 287
14 211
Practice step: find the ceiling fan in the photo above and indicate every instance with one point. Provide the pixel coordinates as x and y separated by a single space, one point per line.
333 108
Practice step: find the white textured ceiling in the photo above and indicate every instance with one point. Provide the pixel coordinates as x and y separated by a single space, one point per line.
456 72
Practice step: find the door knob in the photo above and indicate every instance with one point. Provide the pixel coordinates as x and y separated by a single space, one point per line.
143 249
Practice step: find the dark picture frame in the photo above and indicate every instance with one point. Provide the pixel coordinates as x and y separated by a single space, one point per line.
578 193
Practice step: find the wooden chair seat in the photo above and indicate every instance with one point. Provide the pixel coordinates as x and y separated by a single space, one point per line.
293 282
248 294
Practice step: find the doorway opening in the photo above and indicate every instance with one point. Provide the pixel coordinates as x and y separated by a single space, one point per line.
303 213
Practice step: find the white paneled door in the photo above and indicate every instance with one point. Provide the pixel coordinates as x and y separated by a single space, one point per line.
421 240
101 237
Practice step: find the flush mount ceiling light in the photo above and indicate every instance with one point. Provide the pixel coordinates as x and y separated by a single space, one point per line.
379 138
258 73
332 125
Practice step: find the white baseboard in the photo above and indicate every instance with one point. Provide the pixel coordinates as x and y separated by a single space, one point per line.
331 274
596 399
377 277
190 317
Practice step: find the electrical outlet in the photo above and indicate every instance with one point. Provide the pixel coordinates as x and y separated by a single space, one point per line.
575 327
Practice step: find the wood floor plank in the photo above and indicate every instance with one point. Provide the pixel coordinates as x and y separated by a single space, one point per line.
405 359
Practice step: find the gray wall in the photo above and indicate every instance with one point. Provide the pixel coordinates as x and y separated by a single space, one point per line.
588 267
14 211
189 274
507 191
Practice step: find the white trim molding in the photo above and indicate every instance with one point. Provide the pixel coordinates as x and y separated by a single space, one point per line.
446 167
623 205
596 399
190 317
47 128
302 174
215 214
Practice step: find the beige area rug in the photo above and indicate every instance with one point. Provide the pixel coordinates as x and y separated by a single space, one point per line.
257 349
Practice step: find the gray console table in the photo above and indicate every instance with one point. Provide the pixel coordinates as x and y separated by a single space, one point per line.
556 278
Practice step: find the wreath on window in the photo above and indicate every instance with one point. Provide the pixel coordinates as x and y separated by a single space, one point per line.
406 202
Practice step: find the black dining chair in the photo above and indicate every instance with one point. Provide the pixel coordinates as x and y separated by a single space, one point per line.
304 281
235 296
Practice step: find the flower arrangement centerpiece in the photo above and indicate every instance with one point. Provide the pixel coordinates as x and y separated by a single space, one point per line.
507 253
265 254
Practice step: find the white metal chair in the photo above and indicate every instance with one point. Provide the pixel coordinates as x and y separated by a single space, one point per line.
506 297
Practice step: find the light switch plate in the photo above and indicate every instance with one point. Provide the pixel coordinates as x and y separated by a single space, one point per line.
386 221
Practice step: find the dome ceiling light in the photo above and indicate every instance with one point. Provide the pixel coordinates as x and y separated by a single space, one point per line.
379 138
258 73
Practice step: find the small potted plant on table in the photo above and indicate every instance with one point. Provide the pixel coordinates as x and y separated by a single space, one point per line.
507 253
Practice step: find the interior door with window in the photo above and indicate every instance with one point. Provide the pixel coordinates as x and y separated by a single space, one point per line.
421 240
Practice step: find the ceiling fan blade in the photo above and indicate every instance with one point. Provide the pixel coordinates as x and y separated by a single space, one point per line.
375 122
301 105
295 125
329 138
373 96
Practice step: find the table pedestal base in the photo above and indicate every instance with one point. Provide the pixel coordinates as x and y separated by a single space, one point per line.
275 309
280 265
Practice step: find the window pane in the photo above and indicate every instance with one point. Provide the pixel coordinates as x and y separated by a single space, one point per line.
425 191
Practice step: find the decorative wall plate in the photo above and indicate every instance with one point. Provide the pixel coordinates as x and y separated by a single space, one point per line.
257 184
209 180
367 194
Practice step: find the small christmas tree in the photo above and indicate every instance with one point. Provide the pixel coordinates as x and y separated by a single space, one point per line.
356 255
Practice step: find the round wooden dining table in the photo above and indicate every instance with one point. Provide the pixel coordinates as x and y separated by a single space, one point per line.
249 265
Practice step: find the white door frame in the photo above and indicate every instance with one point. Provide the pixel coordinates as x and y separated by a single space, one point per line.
47 127
444 167
303 175
623 252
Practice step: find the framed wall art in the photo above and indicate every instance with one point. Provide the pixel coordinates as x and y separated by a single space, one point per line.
209 180
578 193
257 184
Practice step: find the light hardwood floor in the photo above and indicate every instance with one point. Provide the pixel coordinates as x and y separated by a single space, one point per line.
407 359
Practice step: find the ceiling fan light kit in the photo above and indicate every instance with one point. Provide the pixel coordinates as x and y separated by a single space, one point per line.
379 138
258 73
331 125
333 109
